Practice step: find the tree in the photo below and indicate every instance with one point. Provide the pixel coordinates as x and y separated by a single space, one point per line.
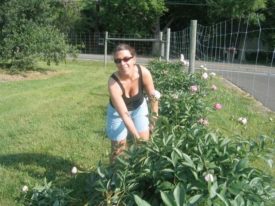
226 9
131 17
28 32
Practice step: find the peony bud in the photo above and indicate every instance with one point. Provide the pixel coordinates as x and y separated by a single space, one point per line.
74 171
25 189
209 178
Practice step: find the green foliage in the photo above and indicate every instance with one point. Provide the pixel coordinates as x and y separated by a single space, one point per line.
131 17
234 8
47 195
184 163
29 33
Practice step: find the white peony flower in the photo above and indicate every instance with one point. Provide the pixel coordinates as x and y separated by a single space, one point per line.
205 75
74 170
214 87
175 96
212 74
203 121
242 120
203 67
181 57
25 189
183 61
209 178
157 94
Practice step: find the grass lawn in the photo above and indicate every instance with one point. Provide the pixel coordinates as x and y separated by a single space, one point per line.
50 123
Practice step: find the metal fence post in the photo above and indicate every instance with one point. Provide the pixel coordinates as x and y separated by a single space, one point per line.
161 45
193 37
167 44
105 49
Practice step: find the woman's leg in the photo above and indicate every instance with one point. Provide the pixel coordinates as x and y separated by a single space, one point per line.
117 148
116 132
141 120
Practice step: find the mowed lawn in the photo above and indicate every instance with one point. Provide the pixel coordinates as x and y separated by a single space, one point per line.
49 124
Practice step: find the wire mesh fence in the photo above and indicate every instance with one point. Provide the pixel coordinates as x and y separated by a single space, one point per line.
237 50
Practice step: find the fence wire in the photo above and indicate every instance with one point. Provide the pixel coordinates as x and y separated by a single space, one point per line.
236 50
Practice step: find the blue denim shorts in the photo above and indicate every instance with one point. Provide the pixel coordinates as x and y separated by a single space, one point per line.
116 129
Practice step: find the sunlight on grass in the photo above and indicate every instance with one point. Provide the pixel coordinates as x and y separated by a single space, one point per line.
49 125
237 103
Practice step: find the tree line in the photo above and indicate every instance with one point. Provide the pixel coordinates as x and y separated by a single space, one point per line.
36 29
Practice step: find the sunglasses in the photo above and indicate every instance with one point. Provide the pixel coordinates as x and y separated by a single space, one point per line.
125 59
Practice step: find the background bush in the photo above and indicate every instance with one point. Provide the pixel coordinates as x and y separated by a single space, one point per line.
29 32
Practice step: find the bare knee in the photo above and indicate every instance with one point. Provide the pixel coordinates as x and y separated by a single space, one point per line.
145 135
117 148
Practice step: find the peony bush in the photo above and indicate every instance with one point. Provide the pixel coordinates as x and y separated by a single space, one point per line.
185 163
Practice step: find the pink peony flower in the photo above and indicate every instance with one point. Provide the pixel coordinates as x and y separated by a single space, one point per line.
214 87
193 88
217 106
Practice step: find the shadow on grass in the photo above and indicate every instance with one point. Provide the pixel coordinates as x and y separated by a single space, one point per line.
54 169
50 166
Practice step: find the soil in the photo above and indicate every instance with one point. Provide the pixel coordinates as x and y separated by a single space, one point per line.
28 75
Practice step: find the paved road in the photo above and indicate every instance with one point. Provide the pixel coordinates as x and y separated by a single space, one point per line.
259 81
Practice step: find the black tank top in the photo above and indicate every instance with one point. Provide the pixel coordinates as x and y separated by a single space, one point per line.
133 102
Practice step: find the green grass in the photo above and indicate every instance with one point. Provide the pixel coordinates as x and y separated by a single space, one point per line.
237 103
49 125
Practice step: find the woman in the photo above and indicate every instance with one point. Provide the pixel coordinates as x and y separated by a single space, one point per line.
128 110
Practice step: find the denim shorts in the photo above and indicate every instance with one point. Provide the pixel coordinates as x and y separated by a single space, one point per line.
116 129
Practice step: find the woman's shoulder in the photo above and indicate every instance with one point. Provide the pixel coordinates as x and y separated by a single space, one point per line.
144 70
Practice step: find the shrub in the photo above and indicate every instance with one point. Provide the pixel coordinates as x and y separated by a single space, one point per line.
184 163
28 34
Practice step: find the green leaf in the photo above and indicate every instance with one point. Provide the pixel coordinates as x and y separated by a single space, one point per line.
242 164
166 185
239 200
225 141
194 199
223 199
179 194
188 161
235 188
213 189
140 202
167 199
174 157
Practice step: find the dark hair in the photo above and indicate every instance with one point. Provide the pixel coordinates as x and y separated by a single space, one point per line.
121 47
